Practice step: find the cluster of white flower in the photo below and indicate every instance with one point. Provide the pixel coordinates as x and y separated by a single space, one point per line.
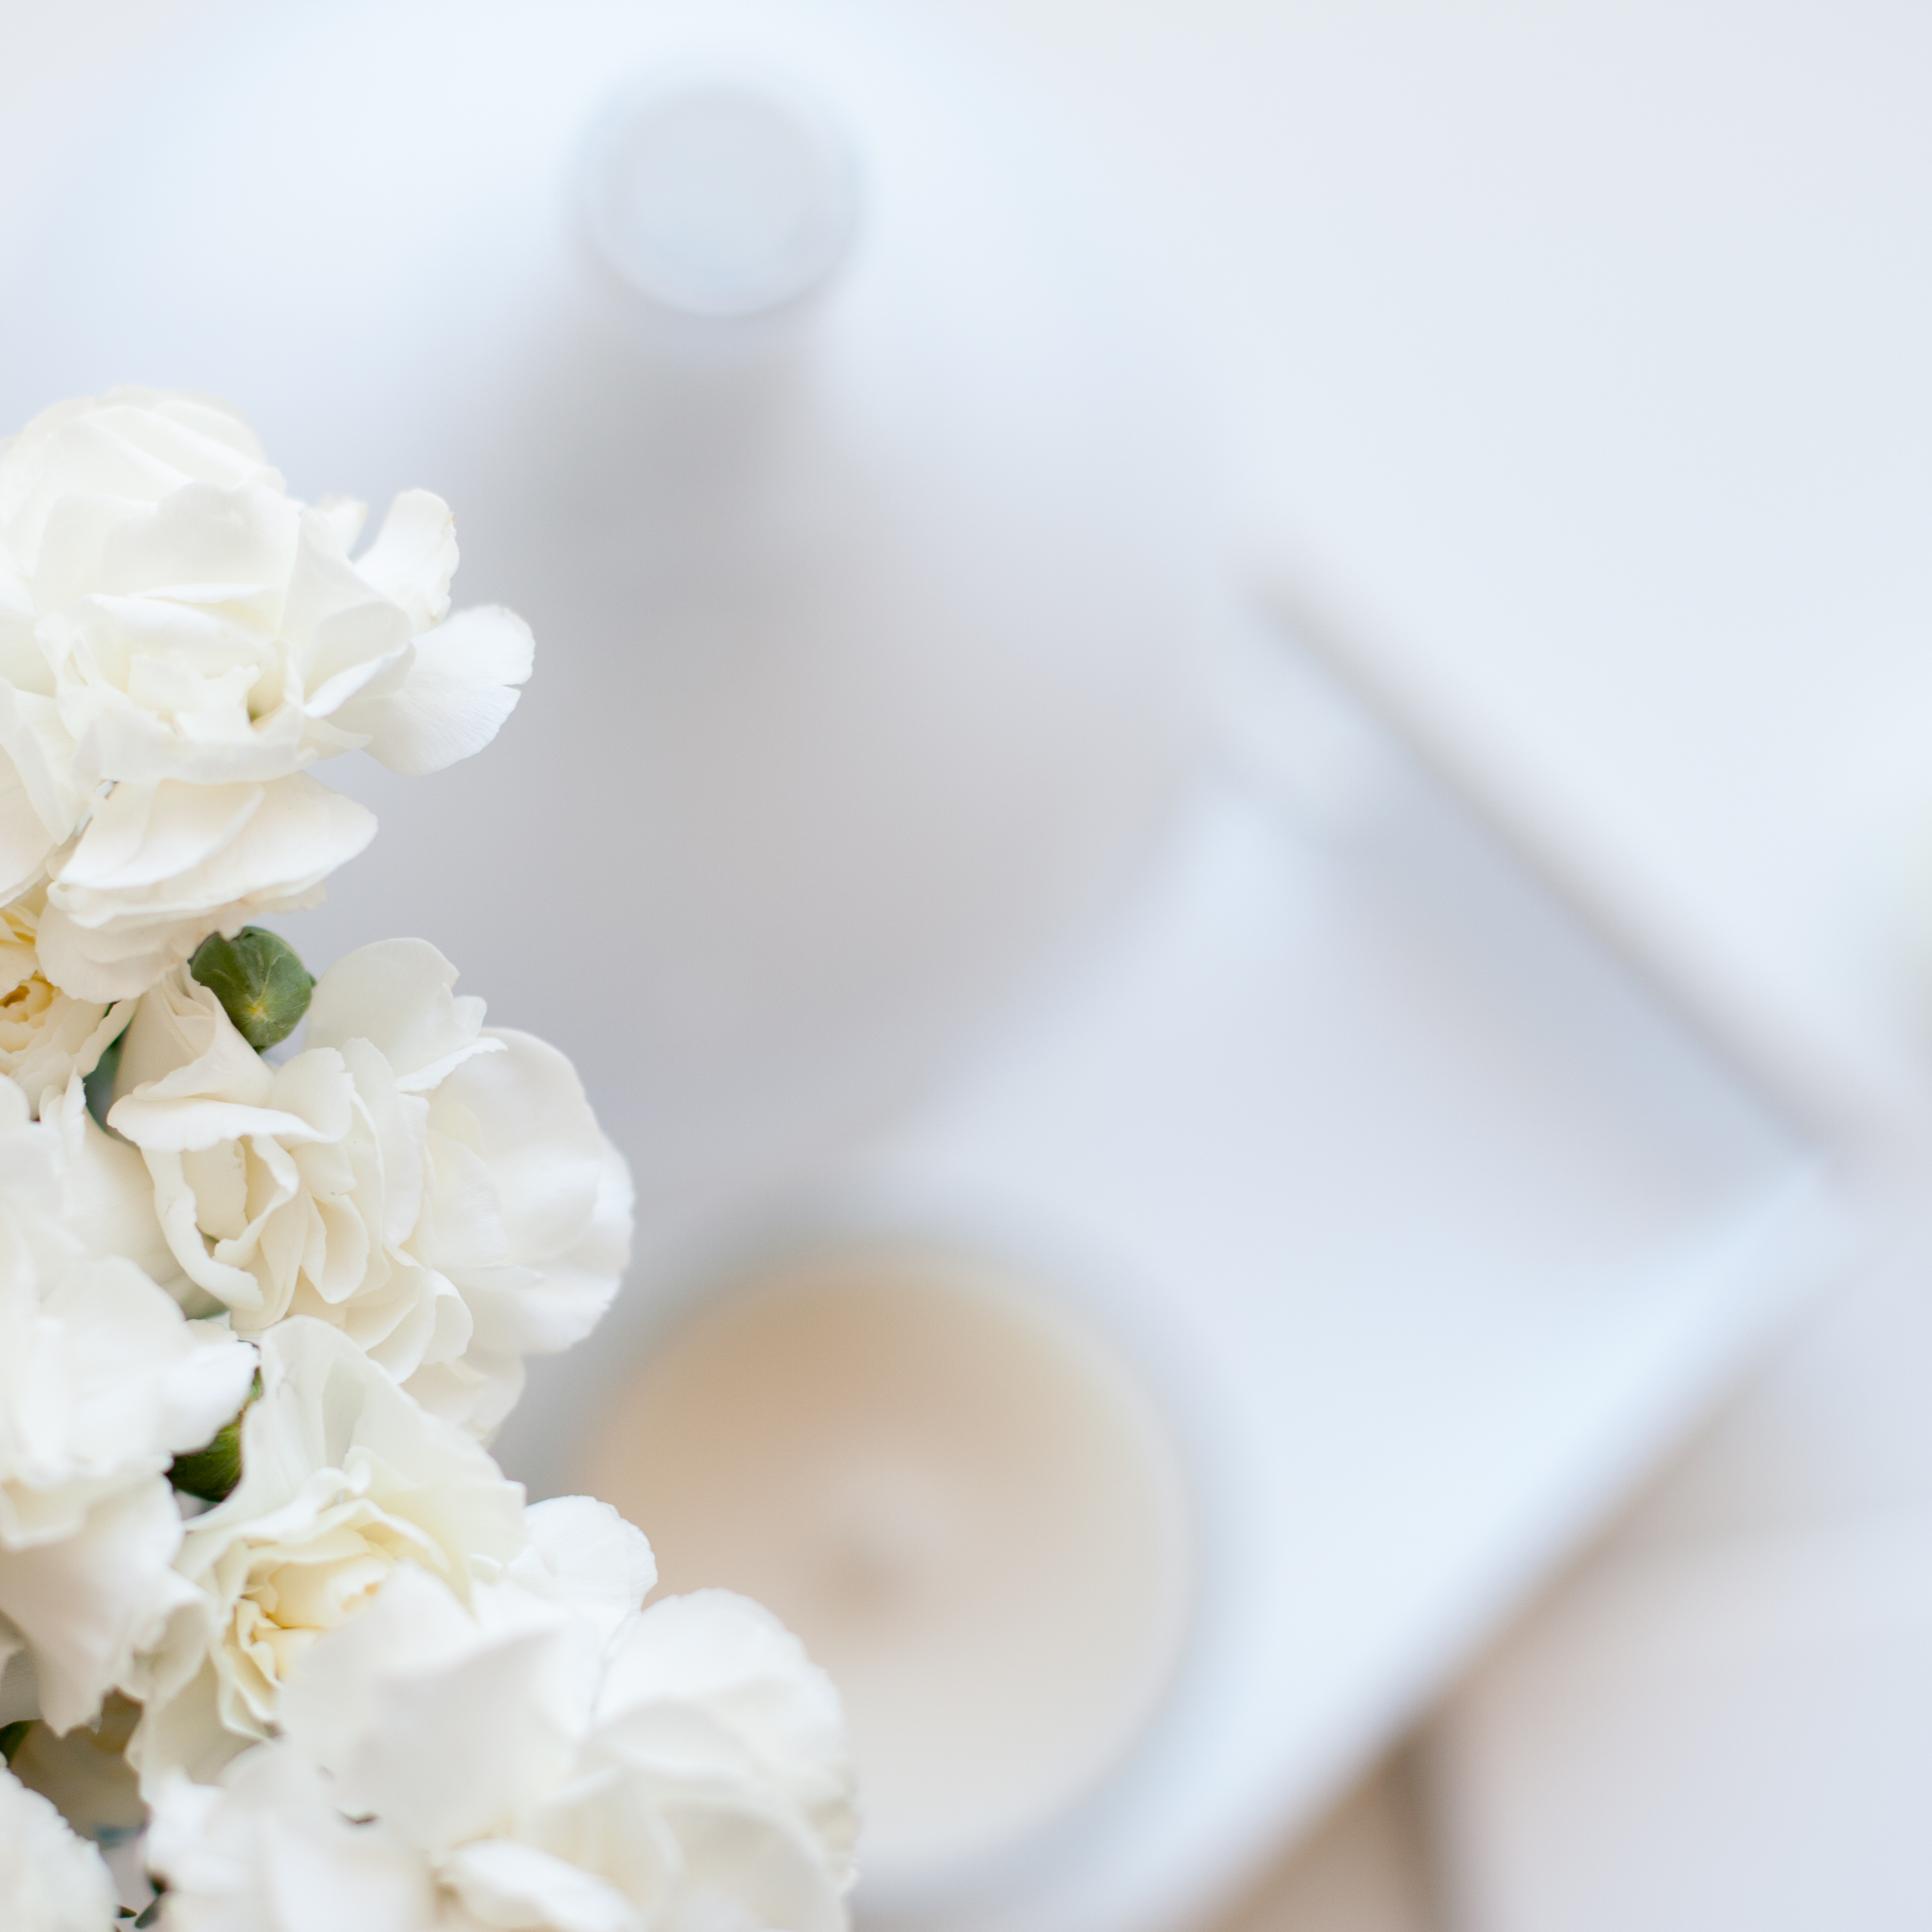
280 1646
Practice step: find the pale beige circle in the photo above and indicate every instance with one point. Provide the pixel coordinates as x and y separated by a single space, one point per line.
955 1493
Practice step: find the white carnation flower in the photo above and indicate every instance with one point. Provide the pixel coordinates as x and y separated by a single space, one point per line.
102 1382
161 866
84 1774
50 1880
583 1556
267 1853
343 1476
696 1776
175 627
437 1189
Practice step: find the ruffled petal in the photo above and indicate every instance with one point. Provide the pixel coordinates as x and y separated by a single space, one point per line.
460 688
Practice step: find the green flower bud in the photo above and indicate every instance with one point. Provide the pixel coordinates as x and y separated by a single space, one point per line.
263 986
212 1471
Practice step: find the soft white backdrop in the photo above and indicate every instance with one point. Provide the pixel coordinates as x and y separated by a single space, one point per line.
1578 357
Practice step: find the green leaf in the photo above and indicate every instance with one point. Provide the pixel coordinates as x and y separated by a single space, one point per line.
99 1085
212 1472
12 1736
263 986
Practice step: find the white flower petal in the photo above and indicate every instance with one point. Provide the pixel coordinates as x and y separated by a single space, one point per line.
440 1192
436 1723
133 444
344 1480
160 867
102 1382
25 842
583 1555
83 1601
530 1313
309 1099
139 1383
345 516
366 648
106 1194
721 1657
504 1883
23 664
181 1044
396 995
269 1852
715 1794
414 557
460 688
41 750
476 1393
202 533
524 1112
755 1856
173 622
50 1881
149 835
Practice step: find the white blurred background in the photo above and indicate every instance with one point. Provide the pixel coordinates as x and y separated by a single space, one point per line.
1575 361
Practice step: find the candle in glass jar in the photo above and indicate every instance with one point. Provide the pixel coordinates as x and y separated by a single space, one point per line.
958 1495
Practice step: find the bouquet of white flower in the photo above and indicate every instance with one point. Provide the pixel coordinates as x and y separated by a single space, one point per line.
281 1648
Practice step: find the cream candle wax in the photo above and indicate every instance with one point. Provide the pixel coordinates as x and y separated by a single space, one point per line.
958 1496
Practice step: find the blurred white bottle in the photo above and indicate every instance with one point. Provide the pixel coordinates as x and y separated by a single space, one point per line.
788 369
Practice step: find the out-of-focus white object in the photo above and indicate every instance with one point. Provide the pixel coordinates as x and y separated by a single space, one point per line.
790 371
720 193
967 1507
1727 1733
1431 1222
